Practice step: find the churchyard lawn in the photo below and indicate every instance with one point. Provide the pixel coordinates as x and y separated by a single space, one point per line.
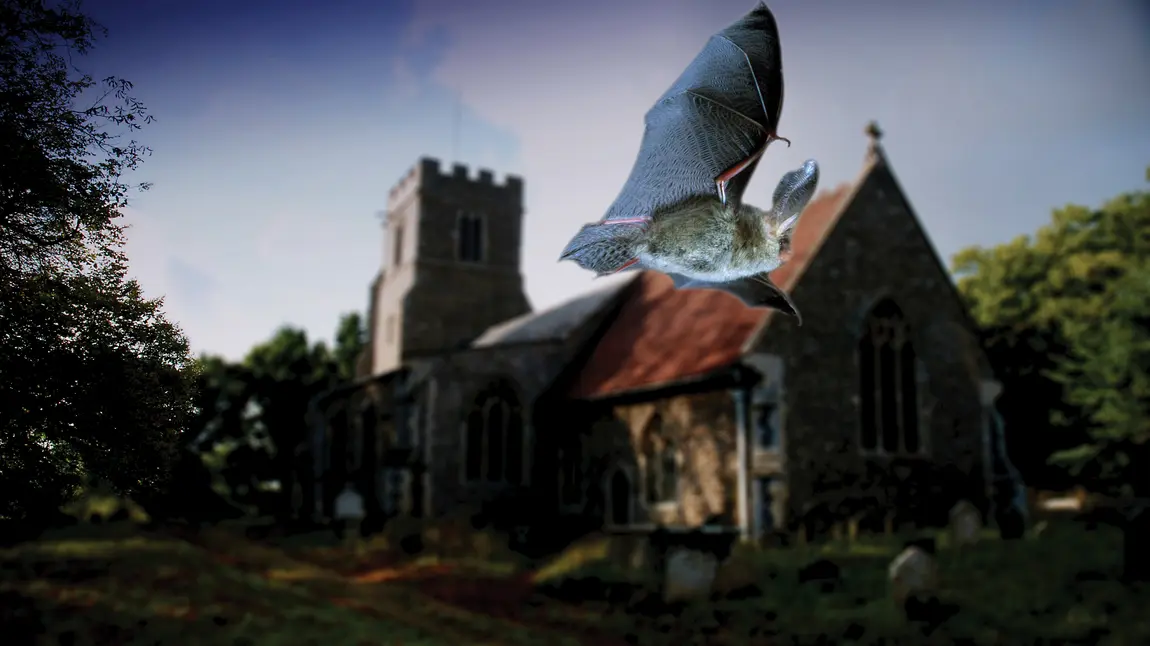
119 584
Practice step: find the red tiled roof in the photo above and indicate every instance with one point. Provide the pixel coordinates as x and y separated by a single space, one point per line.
816 220
662 335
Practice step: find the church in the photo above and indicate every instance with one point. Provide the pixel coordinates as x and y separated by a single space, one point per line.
638 406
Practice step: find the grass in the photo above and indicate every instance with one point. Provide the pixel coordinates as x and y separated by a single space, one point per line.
116 584
112 584
1060 587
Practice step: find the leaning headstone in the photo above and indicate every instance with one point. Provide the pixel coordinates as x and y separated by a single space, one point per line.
913 573
965 523
690 574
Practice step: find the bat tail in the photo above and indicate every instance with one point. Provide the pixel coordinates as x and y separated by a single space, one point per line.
605 248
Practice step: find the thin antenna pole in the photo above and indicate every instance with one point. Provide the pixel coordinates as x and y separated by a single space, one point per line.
457 118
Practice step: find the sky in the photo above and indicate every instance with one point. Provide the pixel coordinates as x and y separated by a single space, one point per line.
281 126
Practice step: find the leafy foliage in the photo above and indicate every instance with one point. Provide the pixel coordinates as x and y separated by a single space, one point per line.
96 380
266 395
61 163
1066 317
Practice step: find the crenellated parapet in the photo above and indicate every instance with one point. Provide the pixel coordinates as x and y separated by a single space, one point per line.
430 175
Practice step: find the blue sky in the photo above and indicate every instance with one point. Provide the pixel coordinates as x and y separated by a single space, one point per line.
282 125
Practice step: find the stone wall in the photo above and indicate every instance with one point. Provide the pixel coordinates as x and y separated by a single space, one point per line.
456 381
702 427
876 250
432 300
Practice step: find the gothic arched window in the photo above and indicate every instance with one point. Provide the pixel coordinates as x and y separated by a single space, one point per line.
662 464
888 383
494 439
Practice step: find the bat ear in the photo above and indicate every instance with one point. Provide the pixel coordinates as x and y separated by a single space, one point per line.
794 192
786 225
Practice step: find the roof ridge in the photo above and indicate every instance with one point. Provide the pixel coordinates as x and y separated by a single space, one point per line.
843 195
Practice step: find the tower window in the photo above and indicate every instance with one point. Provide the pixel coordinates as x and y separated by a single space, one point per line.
470 237
397 251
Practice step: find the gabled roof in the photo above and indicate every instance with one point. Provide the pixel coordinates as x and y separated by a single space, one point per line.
663 335
553 324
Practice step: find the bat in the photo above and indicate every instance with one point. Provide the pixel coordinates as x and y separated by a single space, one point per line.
681 210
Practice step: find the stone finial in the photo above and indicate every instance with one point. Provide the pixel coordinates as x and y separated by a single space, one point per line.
874 150
874 132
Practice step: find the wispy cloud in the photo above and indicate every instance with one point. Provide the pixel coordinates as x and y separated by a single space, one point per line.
994 114
278 139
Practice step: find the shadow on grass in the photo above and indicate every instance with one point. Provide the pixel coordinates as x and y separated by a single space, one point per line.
100 586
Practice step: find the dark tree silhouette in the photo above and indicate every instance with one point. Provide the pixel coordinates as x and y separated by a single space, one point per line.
95 379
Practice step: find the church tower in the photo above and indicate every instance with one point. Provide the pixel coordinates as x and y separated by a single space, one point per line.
450 262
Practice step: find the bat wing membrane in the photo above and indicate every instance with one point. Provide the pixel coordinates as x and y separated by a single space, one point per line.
754 291
717 114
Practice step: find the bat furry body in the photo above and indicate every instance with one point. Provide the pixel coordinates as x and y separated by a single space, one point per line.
681 210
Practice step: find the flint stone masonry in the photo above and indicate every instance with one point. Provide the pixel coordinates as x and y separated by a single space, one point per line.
702 426
431 301
458 380
840 285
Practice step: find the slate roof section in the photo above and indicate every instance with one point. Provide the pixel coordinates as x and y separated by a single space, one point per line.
662 336
553 324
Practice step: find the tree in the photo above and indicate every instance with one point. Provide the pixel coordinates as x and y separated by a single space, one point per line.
1107 371
1064 316
287 371
96 381
350 341
61 164
268 392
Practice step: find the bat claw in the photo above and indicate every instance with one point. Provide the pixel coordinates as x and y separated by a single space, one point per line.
778 138
626 265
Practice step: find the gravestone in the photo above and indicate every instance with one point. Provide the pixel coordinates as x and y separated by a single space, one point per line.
965 523
690 574
349 509
913 573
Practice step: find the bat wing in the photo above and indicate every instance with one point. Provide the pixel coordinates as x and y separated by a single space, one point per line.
754 291
720 112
